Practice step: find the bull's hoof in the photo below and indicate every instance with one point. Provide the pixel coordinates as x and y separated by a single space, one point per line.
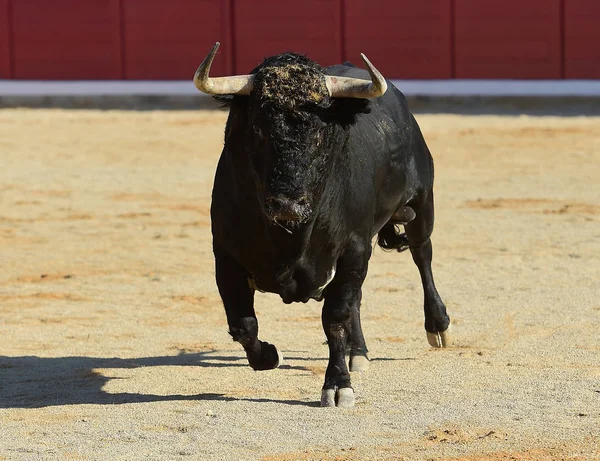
359 363
343 398
268 359
440 339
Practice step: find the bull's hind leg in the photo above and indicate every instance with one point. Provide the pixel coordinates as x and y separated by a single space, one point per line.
388 237
358 347
342 297
238 299
418 232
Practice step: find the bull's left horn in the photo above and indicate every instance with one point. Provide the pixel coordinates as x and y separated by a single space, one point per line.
235 84
348 87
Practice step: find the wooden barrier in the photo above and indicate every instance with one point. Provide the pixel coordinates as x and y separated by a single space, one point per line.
507 39
425 39
403 38
264 28
5 40
582 39
168 40
66 39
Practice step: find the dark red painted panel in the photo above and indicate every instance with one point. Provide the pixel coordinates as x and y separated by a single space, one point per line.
167 40
265 28
582 39
507 39
66 39
402 38
5 40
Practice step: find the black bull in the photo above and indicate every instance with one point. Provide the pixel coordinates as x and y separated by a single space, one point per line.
304 183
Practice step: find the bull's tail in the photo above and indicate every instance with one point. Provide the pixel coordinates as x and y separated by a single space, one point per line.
391 238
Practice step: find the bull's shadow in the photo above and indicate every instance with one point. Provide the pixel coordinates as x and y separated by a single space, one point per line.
36 382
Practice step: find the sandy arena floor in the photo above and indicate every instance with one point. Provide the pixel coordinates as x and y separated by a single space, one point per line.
113 340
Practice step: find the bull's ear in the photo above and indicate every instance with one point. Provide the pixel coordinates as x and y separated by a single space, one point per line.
224 101
345 110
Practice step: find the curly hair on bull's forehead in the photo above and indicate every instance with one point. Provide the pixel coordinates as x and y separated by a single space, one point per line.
289 81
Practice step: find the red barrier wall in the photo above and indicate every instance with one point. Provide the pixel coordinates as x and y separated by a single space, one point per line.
66 39
403 38
508 39
5 40
264 28
582 39
168 40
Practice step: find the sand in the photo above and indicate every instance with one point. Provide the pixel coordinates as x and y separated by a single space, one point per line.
113 339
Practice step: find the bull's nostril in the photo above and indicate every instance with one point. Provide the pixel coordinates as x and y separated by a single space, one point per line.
274 204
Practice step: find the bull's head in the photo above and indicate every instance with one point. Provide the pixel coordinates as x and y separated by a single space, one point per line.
291 127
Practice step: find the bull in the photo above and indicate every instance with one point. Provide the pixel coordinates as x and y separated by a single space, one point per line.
316 163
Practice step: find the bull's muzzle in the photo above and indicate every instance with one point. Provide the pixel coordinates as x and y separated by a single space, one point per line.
282 209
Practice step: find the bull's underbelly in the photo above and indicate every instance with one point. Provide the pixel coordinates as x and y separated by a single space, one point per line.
298 284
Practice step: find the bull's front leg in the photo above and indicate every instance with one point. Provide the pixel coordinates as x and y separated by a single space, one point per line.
238 299
342 298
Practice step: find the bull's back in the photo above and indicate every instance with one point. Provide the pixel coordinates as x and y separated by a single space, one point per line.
389 137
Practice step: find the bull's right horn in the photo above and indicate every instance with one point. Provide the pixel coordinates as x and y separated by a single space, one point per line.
235 84
349 87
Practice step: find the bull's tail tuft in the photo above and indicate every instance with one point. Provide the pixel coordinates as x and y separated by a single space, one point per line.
391 238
